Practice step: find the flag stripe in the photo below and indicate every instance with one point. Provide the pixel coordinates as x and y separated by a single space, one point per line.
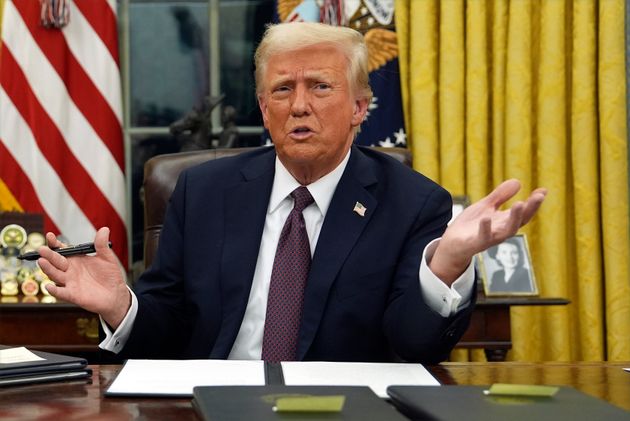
95 57
17 181
80 87
102 18
60 206
52 94
52 145
61 147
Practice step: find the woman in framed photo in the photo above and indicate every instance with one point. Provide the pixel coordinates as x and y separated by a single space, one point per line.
513 276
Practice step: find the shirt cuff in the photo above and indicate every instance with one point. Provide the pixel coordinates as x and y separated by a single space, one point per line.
115 341
441 298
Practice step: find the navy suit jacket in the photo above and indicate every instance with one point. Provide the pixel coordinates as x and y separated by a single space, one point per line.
362 300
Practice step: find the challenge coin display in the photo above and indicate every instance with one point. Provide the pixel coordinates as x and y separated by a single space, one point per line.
20 278
13 235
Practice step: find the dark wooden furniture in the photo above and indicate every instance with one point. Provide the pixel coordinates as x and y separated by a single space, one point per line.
490 326
54 326
85 400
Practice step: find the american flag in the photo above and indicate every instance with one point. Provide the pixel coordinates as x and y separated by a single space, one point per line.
61 146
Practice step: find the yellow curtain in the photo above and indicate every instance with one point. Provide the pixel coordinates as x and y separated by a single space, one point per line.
534 90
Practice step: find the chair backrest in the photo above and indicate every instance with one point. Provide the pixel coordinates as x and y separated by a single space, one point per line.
161 173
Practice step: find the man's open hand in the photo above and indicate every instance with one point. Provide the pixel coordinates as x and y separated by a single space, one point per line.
480 226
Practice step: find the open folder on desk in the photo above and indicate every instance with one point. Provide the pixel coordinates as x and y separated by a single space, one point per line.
450 403
19 365
178 377
260 403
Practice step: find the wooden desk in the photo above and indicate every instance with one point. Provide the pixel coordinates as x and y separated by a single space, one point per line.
84 400
606 381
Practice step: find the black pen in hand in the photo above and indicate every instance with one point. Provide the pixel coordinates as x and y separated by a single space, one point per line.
84 248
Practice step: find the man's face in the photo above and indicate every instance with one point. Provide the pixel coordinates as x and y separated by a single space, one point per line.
310 109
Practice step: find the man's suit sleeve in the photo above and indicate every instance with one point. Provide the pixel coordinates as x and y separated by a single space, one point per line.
414 330
160 332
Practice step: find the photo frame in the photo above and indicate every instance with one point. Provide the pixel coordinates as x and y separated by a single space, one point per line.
459 204
507 269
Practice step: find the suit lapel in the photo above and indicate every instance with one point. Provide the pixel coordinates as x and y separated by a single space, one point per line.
333 248
245 210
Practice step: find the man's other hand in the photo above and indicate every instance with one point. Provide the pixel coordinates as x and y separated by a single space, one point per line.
96 283
480 226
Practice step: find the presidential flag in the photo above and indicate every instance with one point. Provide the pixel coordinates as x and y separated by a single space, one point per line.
61 145
384 125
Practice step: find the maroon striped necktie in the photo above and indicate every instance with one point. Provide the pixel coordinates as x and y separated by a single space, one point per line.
288 281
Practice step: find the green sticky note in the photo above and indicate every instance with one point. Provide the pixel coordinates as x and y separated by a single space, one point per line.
502 389
310 403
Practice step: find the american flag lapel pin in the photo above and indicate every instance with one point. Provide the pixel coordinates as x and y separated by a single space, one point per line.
359 209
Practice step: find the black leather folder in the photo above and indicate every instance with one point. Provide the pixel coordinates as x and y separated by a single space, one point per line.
53 367
446 403
227 403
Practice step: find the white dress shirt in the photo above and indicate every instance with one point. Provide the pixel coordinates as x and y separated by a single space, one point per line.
441 298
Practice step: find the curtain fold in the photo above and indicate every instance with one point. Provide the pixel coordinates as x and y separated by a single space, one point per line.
585 182
614 169
535 91
451 117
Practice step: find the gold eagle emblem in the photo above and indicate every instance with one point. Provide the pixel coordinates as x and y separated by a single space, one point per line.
382 43
382 47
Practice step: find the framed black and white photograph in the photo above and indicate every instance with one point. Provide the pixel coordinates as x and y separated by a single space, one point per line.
507 268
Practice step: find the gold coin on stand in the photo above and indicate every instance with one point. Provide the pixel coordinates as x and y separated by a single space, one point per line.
30 287
35 240
9 286
24 273
48 299
13 235
42 286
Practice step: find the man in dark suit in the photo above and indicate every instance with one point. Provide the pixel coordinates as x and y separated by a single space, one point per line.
382 283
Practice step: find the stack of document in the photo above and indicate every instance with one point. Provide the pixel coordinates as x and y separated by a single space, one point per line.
19 365
179 377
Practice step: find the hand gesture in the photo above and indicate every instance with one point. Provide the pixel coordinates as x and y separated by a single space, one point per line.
95 283
482 225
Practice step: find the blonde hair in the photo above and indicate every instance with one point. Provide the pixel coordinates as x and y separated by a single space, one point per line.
291 36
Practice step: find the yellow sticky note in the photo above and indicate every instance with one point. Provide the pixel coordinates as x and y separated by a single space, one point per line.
502 389
310 403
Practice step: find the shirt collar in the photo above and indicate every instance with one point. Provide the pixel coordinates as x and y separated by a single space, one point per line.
322 190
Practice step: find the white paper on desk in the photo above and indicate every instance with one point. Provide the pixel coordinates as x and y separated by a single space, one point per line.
178 377
17 355
375 375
